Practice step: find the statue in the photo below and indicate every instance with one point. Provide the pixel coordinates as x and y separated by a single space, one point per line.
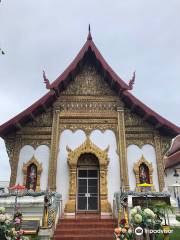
143 174
47 204
32 177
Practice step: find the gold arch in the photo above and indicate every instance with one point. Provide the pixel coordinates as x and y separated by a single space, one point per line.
39 171
73 156
136 171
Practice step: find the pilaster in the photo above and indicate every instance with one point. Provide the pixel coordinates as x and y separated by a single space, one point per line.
122 148
54 151
159 160
14 159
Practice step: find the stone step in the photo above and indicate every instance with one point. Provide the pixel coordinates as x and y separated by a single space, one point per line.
77 220
84 231
85 225
85 237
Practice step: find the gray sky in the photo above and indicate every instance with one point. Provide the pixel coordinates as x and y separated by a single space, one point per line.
141 35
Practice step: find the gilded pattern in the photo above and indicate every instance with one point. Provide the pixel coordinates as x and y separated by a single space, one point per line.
159 160
88 82
137 175
54 151
39 171
73 156
15 158
122 149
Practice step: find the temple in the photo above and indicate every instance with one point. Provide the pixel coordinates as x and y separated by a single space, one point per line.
88 137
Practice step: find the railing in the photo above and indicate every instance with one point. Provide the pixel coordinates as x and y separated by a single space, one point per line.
54 210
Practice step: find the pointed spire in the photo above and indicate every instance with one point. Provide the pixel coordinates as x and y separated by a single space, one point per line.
89 33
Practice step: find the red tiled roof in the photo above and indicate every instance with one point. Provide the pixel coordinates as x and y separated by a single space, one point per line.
173 154
122 88
173 160
175 146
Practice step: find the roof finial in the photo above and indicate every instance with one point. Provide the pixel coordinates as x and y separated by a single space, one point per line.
89 33
46 81
132 81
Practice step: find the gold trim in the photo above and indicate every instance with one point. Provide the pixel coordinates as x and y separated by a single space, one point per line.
122 149
159 161
39 171
54 151
14 159
73 156
136 171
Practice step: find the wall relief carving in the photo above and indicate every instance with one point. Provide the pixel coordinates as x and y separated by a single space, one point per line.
88 82
42 120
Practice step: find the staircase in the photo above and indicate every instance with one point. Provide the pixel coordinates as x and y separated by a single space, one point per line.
84 229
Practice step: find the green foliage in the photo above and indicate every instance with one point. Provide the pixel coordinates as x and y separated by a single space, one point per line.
161 208
174 236
33 237
178 218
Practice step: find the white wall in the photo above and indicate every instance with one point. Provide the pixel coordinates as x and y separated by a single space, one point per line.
134 153
4 162
103 140
170 179
41 153
73 140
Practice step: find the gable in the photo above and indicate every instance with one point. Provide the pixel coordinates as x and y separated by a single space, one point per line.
88 83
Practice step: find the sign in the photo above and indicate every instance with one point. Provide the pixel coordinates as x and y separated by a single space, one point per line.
143 201
30 226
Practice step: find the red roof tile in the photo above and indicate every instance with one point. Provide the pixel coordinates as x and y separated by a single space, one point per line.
173 160
175 146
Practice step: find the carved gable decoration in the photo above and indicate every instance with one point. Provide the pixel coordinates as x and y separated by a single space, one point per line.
132 119
88 82
42 120
87 147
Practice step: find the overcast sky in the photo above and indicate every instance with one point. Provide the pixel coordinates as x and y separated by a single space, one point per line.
141 35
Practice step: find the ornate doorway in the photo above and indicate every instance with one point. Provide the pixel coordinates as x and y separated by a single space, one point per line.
87 183
76 159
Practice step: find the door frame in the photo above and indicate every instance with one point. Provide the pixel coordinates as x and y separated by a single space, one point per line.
98 189
72 159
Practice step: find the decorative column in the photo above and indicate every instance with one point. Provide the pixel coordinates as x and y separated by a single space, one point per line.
13 150
54 151
71 204
122 148
159 161
104 204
